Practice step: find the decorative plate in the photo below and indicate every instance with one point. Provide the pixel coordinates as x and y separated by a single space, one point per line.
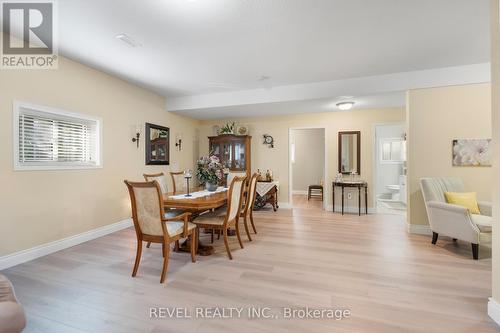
242 130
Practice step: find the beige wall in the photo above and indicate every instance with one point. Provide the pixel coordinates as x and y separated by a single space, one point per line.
277 158
495 62
309 158
435 117
42 206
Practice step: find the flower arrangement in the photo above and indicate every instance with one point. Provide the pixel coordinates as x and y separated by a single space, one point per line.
227 129
209 170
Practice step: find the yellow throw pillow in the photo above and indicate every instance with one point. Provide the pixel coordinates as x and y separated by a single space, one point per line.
464 199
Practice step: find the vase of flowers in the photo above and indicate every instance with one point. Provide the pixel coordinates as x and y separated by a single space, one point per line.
209 171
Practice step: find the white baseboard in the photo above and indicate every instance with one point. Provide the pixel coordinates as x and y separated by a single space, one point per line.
494 310
419 229
351 209
300 192
20 257
284 205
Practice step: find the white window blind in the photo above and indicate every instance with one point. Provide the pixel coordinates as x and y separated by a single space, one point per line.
54 139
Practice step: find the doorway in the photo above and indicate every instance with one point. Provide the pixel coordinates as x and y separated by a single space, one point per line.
307 167
390 168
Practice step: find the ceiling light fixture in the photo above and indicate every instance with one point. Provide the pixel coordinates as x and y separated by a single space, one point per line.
344 106
129 40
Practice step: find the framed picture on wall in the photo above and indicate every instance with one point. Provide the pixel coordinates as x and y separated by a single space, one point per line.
472 152
157 145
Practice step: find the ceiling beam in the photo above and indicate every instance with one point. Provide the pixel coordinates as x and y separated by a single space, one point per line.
369 85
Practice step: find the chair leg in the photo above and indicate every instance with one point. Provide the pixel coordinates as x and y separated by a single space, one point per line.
238 234
226 243
163 250
434 237
193 245
176 246
246 228
475 251
212 236
137 257
166 253
148 245
218 234
197 238
253 225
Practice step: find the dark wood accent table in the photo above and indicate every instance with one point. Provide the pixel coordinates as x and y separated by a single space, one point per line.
270 197
196 206
359 185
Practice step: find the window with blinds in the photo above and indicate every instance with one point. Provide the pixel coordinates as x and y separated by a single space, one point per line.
55 139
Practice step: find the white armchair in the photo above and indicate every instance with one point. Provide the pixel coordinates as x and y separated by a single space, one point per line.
453 220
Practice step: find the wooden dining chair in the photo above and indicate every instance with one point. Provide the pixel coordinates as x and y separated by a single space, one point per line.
162 181
178 181
247 209
221 223
152 226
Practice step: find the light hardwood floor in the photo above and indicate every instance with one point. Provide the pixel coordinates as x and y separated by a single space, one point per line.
389 280
300 201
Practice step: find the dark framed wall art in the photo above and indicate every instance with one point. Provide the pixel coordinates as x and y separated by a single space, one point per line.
157 145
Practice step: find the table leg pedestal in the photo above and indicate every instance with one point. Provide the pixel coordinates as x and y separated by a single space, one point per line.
202 250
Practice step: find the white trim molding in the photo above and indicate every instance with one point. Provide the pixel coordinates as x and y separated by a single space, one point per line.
300 192
20 257
494 310
284 205
419 229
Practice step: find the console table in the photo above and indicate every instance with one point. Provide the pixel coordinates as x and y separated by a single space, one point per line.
359 184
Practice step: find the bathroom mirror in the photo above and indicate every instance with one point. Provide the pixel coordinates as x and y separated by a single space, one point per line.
350 152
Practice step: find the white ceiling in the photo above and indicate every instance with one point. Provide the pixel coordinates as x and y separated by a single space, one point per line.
395 99
193 47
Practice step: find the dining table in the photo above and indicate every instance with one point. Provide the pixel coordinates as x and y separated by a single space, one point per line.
196 205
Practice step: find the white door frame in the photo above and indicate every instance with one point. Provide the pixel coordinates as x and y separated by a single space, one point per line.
325 172
375 156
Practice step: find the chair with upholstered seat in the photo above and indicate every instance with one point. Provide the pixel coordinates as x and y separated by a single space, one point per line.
162 181
216 221
178 181
247 210
453 220
152 226
232 174
12 317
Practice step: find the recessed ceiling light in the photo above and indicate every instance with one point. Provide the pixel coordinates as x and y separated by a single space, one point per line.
344 106
128 40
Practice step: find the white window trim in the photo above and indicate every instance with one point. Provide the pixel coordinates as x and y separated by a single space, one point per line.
18 105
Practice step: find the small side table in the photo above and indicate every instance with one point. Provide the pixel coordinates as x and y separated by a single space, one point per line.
360 185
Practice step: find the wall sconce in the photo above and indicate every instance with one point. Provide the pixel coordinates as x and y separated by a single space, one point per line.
135 139
178 142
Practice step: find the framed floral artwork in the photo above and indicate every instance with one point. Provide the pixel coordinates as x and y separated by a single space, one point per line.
472 152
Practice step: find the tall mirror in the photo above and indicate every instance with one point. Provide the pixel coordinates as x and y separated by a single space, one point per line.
350 152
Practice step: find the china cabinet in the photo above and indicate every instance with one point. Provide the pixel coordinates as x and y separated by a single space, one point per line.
233 151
